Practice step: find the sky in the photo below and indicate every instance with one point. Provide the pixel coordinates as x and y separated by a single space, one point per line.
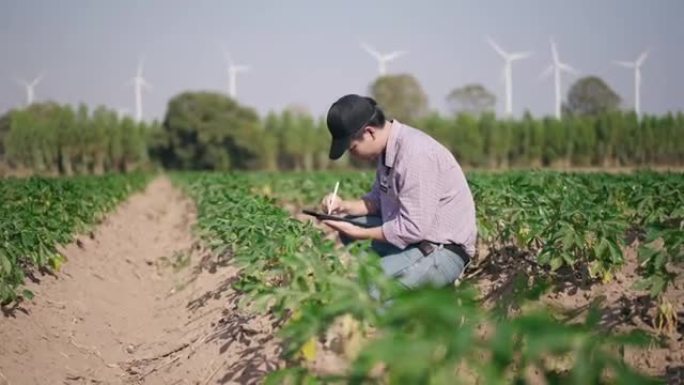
308 54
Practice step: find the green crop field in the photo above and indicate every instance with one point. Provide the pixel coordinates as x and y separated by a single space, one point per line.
577 221
585 224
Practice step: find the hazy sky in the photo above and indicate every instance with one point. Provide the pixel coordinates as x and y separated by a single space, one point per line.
307 52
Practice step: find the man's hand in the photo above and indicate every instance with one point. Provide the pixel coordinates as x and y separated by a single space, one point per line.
350 230
332 204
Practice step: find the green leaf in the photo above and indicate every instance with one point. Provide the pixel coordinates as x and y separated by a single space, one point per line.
658 285
601 247
646 253
659 261
5 263
568 239
616 256
643 284
634 338
28 294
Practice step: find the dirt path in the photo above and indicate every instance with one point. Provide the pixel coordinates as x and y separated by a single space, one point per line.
138 302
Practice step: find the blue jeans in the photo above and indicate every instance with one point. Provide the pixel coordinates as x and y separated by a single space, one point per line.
412 269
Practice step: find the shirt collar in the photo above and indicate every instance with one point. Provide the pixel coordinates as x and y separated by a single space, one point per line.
392 143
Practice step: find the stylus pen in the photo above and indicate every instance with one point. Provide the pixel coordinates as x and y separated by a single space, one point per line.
330 202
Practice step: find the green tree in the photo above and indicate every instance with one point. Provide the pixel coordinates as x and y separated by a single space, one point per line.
131 153
467 142
439 128
300 137
674 139
32 140
268 145
584 141
535 140
554 141
287 141
400 97
98 142
67 137
5 125
591 96
472 99
488 131
208 130
322 145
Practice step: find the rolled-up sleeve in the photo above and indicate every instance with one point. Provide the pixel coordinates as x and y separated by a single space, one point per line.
418 200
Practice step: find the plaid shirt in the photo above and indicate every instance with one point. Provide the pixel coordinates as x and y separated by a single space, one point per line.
422 192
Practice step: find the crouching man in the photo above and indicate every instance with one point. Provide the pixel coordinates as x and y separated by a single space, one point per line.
420 213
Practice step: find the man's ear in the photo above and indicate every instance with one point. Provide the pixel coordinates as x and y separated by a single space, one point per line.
372 131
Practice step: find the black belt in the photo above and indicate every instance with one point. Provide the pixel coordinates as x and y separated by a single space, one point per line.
427 248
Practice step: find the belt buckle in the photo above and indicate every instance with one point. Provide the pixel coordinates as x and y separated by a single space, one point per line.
426 248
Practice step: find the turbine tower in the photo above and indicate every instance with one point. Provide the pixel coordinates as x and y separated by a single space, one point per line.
233 69
508 58
637 78
382 59
138 84
30 88
557 67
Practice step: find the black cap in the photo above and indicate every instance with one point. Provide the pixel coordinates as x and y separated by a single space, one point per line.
346 117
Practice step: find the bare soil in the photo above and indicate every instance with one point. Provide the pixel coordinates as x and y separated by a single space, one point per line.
138 302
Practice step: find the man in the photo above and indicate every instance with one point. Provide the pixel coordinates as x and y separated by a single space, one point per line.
420 213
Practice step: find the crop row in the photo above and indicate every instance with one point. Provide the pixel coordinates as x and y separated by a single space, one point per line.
426 336
39 214
583 221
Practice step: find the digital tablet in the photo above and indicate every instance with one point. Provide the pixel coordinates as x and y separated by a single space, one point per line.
323 216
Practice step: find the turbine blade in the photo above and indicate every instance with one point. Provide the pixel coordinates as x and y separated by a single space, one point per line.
625 64
568 68
394 55
371 51
496 48
641 58
519 56
38 79
554 52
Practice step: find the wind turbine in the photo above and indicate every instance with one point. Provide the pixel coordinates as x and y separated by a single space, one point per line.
30 88
637 78
138 83
382 59
557 67
233 69
508 58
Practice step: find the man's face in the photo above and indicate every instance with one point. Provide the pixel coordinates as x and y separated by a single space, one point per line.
364 145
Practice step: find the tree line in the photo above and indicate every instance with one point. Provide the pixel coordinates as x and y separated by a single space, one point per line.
52 139
611 139
211 131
